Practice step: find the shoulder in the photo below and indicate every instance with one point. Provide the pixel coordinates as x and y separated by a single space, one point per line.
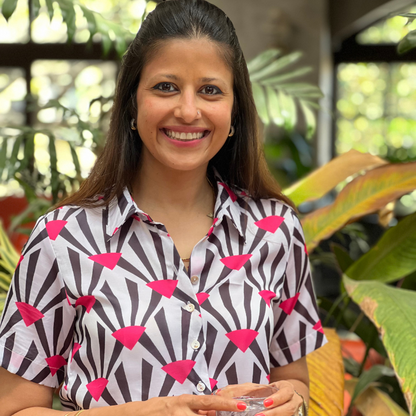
278 220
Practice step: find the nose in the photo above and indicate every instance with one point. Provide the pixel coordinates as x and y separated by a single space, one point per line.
186 108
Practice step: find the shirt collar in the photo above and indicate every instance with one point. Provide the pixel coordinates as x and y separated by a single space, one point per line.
227 204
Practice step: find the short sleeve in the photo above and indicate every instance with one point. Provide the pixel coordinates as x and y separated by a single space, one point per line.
298 330
36 326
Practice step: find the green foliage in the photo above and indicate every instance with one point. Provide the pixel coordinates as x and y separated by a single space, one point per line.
277 97
392 310
409 41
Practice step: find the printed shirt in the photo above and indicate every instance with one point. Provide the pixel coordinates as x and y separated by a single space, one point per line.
102 303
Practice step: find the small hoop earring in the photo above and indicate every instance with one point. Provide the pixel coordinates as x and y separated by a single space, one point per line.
198 113
232 131
133 124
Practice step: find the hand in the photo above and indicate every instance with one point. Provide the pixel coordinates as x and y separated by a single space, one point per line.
191 405
285 402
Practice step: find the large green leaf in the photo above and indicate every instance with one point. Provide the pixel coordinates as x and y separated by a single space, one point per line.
374 402
393 311
407 43
325 178
366 194
8 7
393 257
263 59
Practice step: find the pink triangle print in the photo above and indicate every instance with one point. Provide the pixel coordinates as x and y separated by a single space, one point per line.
306 250
231 194
87 301
20 260
213 383
164 287
97 387
318 327
202 297
67 298
242 338
270 224
129 336
29 313
179 370
267 295
268 378
55 363
75 349
236 262
108 260
54 228
289 304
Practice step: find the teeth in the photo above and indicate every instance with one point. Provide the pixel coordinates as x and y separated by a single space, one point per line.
184 136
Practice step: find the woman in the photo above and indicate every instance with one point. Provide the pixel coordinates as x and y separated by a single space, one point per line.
179 266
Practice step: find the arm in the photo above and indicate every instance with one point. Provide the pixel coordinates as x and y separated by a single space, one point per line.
20 397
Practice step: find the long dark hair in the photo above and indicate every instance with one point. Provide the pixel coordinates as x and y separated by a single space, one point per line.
240 162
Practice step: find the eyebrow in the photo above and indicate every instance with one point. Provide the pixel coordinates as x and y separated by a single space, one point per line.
175 78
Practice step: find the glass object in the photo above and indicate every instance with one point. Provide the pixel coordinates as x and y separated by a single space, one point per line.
254 401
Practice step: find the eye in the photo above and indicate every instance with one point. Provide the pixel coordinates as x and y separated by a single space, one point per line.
211 90
164 86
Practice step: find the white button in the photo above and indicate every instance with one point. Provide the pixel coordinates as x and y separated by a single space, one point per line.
200 387
195 345
194 280
190 307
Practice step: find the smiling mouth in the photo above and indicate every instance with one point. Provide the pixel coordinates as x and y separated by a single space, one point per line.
186 137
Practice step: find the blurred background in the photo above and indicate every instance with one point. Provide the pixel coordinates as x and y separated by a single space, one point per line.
330 77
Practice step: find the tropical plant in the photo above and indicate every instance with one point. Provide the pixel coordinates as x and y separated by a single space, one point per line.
371 186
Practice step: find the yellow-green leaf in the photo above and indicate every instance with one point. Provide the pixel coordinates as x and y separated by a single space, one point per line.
393 312
261 103
393 257
325 178
374 402
273 105
326 373
364 195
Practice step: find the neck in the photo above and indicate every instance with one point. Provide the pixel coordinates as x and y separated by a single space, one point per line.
170 191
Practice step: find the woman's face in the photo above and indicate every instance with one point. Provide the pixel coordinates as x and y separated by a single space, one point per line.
183 78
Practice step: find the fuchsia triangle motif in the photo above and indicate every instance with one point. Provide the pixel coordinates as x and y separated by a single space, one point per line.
270 224
136 217
268 378
67 298
87 301
202 297
229 191
55 363
108 260
212 226
54 228
289 304
20 260
306 250
97 387
179 370
213 383
236 262
267 295
115 230
318 327
29 313
75 349
164 287
129 336
242 338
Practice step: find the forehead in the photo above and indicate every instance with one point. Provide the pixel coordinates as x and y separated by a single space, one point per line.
189 55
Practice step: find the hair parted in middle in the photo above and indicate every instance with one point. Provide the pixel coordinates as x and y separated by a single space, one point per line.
240 162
